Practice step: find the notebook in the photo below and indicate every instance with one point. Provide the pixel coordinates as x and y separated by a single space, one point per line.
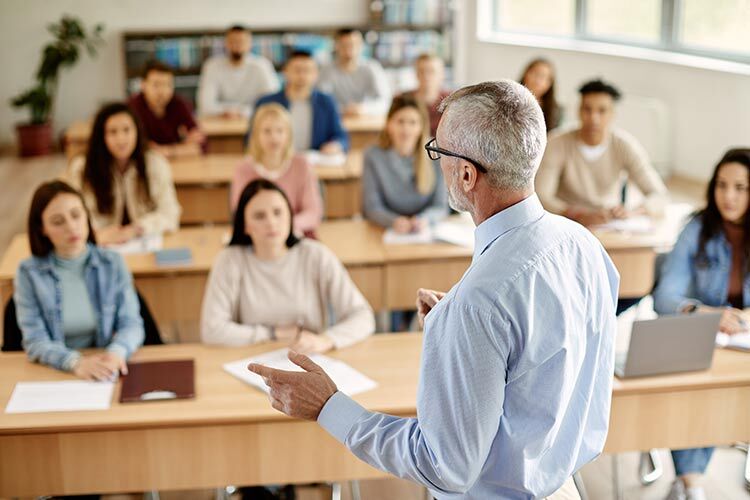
157 380
738 342
174 257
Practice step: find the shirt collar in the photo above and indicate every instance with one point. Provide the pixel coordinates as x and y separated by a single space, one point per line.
523 212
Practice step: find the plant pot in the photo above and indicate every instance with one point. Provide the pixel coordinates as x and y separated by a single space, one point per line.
34 139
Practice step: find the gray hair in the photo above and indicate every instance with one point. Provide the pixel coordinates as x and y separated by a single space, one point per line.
500 125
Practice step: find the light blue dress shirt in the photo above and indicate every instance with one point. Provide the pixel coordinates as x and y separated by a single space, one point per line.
516 372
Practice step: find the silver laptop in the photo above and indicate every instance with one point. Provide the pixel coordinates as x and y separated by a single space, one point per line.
668 345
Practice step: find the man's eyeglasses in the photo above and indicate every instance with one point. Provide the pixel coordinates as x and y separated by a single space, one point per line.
434 152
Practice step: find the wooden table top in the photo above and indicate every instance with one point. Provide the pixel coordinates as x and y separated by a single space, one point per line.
215 126
215 169
392 360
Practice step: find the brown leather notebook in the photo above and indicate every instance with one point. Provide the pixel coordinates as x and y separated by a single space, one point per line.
158 380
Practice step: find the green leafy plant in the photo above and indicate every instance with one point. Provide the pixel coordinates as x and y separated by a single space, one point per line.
64 51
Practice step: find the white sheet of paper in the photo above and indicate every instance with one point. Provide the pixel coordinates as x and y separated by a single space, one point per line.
455 232
739 341
143 244
638 224
73 395
391 237
347 379
325 160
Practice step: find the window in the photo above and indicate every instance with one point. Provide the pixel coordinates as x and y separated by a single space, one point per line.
714 28
718 25
638 20
555 17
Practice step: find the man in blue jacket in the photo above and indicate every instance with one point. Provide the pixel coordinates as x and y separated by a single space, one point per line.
315 118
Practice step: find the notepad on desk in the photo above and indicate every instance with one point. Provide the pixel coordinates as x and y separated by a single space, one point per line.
391 237
68 395
739 341
174 257
144 244
347 379
325 159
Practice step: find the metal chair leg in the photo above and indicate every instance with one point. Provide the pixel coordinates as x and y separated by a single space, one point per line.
336 491
616 488
151 495
354 487
224 493
578 480
650 468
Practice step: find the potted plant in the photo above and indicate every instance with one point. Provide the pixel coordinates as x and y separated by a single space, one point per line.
35 137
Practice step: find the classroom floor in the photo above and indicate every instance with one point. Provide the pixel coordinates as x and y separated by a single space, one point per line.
19 177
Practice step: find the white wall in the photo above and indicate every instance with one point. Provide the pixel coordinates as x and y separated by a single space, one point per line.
709 110
93 81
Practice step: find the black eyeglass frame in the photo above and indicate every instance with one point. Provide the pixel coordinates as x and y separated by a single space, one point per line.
434 153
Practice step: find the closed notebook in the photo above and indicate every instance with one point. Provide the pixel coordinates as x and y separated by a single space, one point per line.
158 380
174 257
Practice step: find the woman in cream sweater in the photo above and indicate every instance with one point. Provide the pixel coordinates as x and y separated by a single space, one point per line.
127 189
270 285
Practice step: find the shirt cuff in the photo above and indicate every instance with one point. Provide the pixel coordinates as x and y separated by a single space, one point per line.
339 415
119 350
70 361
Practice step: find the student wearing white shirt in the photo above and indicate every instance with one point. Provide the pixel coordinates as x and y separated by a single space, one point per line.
230 83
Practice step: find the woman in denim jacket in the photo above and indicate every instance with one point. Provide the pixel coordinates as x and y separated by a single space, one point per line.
72 294
707 271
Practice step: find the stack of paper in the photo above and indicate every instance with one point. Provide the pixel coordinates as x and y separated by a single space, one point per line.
325 160
347 379
740 341
638 224
391 237
73 395
144 244
456 232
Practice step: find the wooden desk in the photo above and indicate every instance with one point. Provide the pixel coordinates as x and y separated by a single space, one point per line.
202 185
229 434
227 135
387 275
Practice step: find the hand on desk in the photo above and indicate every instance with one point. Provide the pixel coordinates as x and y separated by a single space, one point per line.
732 320
354 109
115 235
426 300
403 224
298 394
331 148
103 366
311 343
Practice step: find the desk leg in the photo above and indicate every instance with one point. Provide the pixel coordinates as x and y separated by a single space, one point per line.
354 486
336 491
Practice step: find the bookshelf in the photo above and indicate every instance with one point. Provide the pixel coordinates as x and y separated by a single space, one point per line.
396 33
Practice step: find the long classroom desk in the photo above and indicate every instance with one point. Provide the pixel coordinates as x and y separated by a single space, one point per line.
202 184
229 434
387 275
227 135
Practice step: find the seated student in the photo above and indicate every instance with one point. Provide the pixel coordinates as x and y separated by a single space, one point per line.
359 86
166 117
271 156
582 170
230 83
401 187
73 295
539 78
707 271
128 190
269 285
315 119
430 70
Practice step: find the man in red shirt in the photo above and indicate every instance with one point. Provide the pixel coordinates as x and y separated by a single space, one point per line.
167 118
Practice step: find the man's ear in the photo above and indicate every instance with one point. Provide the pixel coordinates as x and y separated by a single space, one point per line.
469 176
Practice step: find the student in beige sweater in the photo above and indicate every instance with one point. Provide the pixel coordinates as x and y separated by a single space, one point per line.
583 170
269 285
127 189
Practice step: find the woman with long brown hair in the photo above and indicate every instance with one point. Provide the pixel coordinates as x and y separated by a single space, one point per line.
401 187
539 78
128 189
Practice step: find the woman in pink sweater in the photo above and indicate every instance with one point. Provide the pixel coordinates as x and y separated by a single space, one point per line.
271 156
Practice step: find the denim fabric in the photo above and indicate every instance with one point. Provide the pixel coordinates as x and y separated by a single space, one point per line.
691 461
38 300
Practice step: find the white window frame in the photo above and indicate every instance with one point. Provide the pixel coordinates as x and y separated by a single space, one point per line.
668 49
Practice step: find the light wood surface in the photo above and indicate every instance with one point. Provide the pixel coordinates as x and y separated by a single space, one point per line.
227 135
202 184
229 434
387 275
